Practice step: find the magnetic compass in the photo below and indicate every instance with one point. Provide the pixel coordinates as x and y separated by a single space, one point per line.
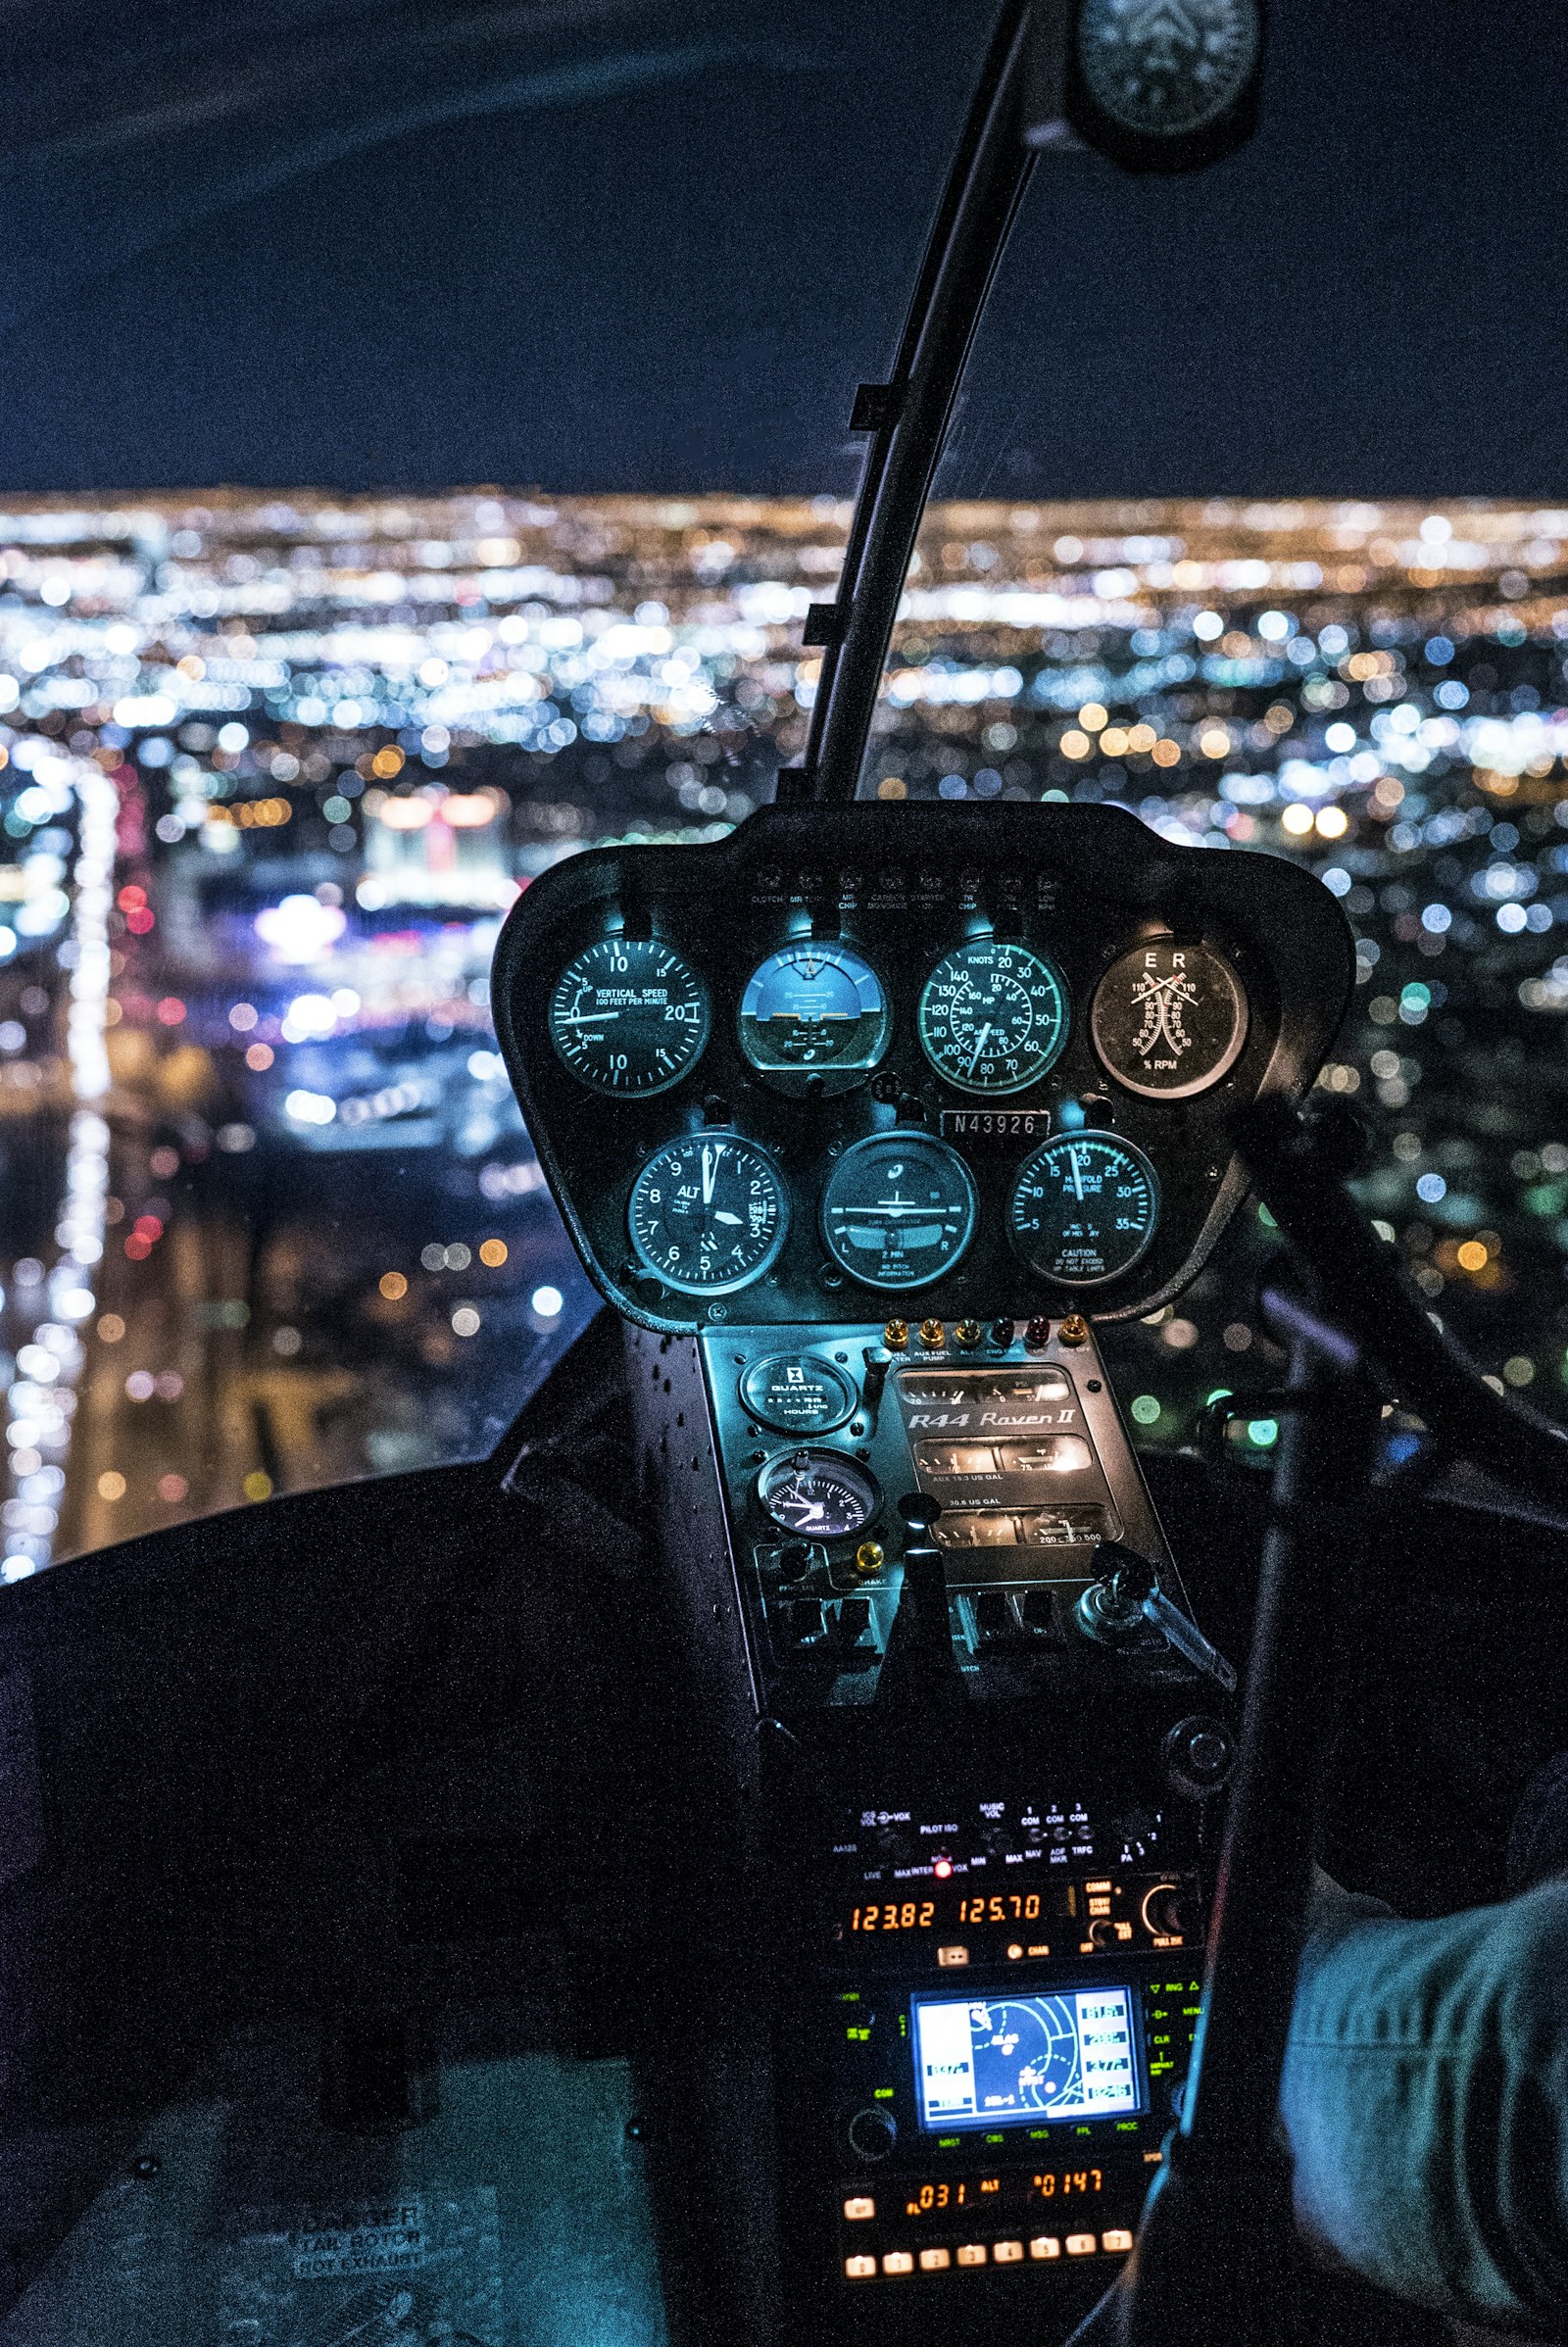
814 1017
707 1213
627 1015
1167 69
993 1016
1083 1208
819 1494
1168 1020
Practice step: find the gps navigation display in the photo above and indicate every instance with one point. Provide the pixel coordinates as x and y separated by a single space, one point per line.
986 2063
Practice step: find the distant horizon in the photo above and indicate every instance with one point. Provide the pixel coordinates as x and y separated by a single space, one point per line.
1313 504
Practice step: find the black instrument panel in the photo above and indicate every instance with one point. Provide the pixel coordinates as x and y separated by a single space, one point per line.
971 1057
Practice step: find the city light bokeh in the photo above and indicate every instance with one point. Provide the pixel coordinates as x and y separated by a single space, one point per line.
271 770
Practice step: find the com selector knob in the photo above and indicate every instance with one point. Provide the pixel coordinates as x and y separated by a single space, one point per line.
874 2133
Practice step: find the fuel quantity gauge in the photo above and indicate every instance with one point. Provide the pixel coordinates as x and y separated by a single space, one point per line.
1084 1208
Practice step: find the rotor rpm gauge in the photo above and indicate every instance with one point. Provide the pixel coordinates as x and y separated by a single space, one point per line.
1083 1208
993 1016
819 1494
814 1017
1169 1020
627 1015
898 1211
707 1213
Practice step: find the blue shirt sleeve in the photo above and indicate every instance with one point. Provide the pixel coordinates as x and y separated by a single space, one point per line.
1425 2097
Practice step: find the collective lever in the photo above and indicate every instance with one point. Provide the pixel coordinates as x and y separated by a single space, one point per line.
1116 1608
919 1667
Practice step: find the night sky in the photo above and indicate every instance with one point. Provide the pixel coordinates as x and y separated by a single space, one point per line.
652 244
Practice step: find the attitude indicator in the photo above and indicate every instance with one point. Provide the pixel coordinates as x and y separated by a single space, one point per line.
814 1017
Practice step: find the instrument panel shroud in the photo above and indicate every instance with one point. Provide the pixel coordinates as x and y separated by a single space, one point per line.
907 885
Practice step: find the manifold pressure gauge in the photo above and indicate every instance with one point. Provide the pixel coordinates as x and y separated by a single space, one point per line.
1084 1208
1168 1020
627 1015
819 1494
707 1213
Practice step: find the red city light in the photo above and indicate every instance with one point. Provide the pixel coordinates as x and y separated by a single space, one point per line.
131 899
138 1247
170 1010
148 1227
139 920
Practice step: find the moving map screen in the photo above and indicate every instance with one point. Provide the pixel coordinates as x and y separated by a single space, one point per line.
999 2061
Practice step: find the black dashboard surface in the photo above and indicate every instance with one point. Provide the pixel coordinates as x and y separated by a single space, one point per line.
1030 1034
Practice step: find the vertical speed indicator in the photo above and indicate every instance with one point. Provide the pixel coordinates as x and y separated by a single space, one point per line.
628 1016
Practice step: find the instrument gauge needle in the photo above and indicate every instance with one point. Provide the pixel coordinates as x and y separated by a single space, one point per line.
979 1047
1077 1177
708 1177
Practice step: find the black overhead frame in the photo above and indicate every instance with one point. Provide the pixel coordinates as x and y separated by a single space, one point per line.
907 416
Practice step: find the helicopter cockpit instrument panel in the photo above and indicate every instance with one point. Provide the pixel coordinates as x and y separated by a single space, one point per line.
859 1117
949 1054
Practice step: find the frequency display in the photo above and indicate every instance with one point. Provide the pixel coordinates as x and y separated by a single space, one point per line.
987 2062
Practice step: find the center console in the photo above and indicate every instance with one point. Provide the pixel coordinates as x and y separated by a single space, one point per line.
861 1118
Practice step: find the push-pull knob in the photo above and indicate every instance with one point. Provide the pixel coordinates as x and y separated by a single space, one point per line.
919 1667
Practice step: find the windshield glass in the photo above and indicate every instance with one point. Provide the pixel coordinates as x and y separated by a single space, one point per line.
273 771
1374 689
274 764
